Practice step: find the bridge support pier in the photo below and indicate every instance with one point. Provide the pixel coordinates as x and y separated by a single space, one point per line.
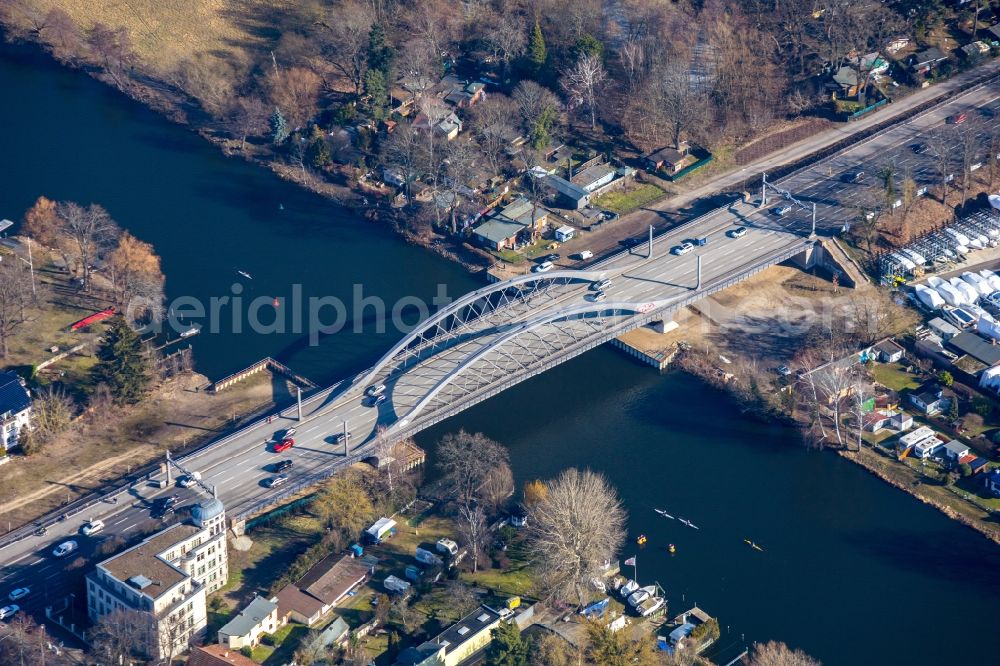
298 399
663 326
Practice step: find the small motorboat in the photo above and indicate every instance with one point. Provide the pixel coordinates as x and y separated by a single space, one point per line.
641 595
628 588
650 606
245 274
663 513
687 522
191 330
753 545
671 549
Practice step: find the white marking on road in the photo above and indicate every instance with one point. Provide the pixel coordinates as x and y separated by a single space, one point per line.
19 559
128 527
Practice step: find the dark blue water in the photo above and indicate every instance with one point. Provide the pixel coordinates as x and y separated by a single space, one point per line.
854 571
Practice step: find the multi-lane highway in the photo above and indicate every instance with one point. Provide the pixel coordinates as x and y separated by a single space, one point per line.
528 330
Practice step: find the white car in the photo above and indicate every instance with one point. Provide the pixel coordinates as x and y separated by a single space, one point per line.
187 481
597 296
19 593
781 211
375 390
93 527
543 267
738 232
683 248
9 611
65 548
586 254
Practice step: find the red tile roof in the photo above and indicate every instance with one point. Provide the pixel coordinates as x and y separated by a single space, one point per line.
967 458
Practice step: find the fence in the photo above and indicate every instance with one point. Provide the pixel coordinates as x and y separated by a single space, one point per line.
267 363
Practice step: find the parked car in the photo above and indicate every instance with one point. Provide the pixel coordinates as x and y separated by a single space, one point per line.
597 296
275 481
92 527
282 466
586 254
543 267
600 285
19 593
784 371
284 445
377 400
65 548
374 390
738 232
555 256
338 438
781 211
610 215
683 248
9 611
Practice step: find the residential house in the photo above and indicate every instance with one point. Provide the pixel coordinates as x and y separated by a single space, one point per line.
518 517
436 115
976 51
669 159
15 409
846 82
567 194
921 63
565 233
258 618
897 43
992 482
929 398
889 351
323 587
955 450
687 622
876 421
463 95
594 177
872 63
975 346
901 421
979 465
924 442
298 606
217 655
167 576
458 642
520 221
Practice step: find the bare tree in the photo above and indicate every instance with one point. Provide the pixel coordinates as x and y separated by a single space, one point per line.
632 56
474 530
15 295
247 117
402 152
861 391
121 636
345 41
970 138
111 49
497 488
577 527
62 35
136 278
774 653
493 121
92 232
51 412
583 82
465 460
295 91
941 145
507 39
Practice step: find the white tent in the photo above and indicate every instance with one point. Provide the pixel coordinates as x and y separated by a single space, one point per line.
992 278
971 295
958 236
990 379
995 201
979 282
929 297
917 258
951 295
988 328
903 260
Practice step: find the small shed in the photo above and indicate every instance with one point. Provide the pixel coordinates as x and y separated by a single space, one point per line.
889 351
565 233
955 450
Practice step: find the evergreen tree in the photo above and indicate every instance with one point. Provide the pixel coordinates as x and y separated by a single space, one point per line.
318 153
537 53
588 45
507 648
123 364
279 127
380 54
378 95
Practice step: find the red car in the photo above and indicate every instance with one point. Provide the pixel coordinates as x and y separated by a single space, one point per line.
284 445
958 118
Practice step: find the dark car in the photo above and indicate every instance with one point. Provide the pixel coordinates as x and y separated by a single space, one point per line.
377 400
555 256
282 466
338 438
919 148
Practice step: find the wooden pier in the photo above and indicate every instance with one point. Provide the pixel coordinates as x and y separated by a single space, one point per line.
268 364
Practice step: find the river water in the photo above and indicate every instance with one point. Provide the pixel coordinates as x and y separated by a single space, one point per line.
854 571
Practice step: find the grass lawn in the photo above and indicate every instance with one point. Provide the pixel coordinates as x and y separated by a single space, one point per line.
275 546
623 201
282 654
895 376
517 581
261 653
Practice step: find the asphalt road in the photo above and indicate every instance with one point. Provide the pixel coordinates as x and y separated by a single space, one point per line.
238 466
